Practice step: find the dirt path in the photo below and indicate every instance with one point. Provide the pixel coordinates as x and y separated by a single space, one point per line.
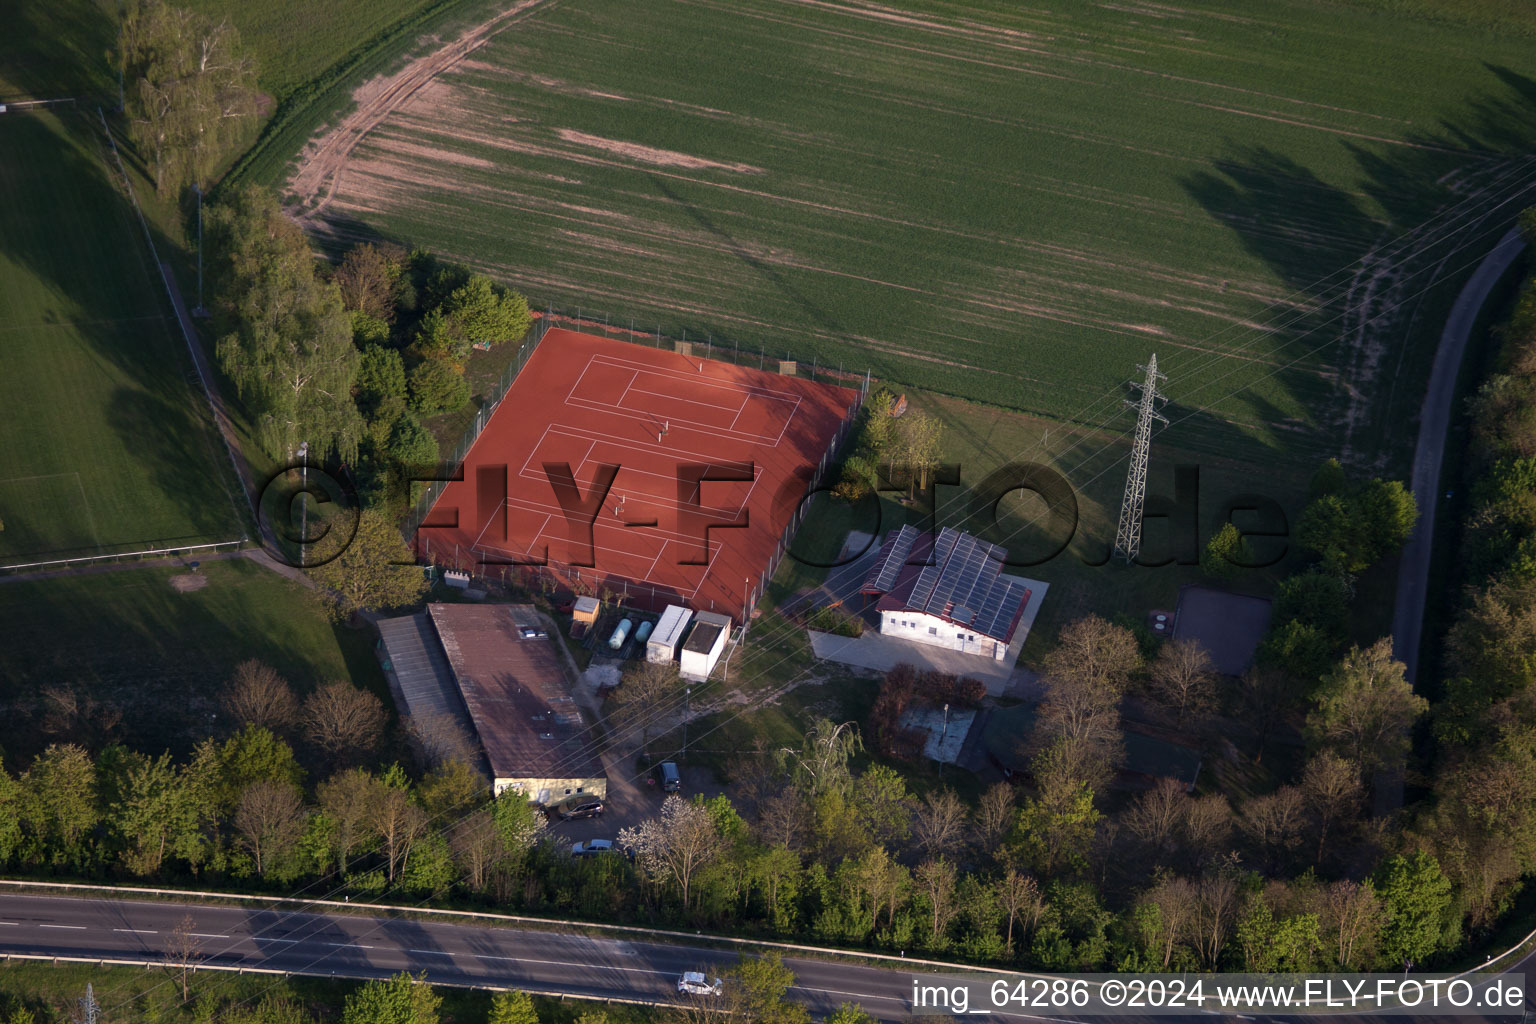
318 174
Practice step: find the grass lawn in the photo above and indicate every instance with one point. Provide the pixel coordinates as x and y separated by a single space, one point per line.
1009 203
107 440
160 657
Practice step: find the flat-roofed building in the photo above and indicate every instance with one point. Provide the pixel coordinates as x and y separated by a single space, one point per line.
705 643
535 737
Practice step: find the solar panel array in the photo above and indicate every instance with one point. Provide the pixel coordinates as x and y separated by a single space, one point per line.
964 584
882 578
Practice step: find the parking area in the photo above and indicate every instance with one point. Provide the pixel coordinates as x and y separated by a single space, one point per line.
632 797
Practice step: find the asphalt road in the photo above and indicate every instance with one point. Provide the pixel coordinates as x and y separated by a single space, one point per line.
1434 425
357 946
373 947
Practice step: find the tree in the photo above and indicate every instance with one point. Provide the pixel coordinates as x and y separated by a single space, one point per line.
481 313
402 999
1184 679
1157 817
850 1013
269 820
10 816
400 823
1365 708
375 571
1171 920
253 754
58 800
379 389
257 695
1352 916
410 444
676 845
917 446
347 799
520 826
183 952
162 812
756 988
1318 599
1094 650
1019 896
343 721
1299 649
1274 822
1416 900
1332 791
1226 553
512 1008
285 340
821 763
994 817
1264 694
643 688
189 89
939 823
1213 914
1055 829
1355 530
437 387
366 279
477 847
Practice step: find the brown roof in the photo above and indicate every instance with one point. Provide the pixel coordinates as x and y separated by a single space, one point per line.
517 693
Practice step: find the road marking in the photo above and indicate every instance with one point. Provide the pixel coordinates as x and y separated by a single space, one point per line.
205 935
10 924
290 941
70 927
136 931
349 945
429 952
566 963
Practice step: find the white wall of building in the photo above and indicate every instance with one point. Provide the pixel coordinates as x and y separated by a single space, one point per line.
930 629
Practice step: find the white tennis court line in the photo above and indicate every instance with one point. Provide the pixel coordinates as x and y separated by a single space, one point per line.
742 408
671 397
712 429
695 376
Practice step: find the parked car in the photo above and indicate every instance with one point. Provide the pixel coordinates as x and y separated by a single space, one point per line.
584 807
592 847
668 778
695 984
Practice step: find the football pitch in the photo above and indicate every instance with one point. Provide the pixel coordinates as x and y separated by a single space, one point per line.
106 443
1009 203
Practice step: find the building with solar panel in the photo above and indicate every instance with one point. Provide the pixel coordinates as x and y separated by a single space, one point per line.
949 592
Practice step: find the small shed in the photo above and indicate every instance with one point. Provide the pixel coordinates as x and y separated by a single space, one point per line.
668 634
704 645
585 611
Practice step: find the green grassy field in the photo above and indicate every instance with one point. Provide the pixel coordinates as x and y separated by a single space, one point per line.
160 656
1009 204
106 443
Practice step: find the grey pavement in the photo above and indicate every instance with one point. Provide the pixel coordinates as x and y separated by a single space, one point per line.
1434 425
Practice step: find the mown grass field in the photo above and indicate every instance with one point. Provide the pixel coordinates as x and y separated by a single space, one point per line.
1004 203
160 656
106 442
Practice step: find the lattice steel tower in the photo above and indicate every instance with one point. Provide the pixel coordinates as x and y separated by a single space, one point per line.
1128 536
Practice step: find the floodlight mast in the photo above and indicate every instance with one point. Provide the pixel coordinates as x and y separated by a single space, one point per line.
1128 535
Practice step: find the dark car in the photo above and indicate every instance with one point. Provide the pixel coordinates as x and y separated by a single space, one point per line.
668 778
586 807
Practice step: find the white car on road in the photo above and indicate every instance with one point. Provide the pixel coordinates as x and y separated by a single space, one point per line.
695 984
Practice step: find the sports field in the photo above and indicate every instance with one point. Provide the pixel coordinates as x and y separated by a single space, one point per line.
704 465
106 443
1011 203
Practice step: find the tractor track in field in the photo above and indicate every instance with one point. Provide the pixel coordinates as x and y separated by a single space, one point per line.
318 175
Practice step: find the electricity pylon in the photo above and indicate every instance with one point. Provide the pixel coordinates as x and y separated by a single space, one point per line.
1128 536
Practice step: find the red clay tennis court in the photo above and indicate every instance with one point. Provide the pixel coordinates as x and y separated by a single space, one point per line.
708 463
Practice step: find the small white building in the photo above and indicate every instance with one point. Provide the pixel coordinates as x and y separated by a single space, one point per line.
949 593
704 645
668 634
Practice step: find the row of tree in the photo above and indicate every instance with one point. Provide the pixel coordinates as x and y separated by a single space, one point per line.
890 440
1478 817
